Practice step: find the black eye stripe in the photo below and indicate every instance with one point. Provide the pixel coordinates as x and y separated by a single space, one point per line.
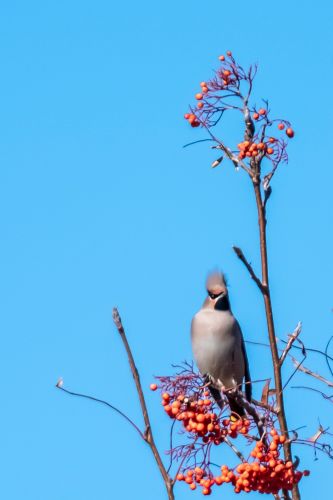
214 295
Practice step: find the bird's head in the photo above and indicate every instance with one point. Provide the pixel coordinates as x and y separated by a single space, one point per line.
217 292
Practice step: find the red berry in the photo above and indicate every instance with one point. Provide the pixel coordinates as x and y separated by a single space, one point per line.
281 126
290 133
255 116
262 111
153 387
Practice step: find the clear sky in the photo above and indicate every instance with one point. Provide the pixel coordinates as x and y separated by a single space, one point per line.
101 206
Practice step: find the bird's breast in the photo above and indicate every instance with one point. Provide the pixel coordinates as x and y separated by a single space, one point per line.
215 341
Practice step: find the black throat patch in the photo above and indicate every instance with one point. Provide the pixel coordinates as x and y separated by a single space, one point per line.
222 304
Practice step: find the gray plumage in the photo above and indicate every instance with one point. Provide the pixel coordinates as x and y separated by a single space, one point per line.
218 344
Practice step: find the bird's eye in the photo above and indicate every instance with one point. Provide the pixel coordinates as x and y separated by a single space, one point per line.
214 295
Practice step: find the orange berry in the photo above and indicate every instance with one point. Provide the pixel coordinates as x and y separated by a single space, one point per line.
198 96
176 404
200 105
193 486
198 470
281 126
206 491
270 151
200 427
226 72
180 477
167 408
174 410
207 402
188 479
262 111
229 53
272 140
260 146
255 116
203 84
221 58
290 133
186 116
282 439
153 387
200 417
165 395
204 90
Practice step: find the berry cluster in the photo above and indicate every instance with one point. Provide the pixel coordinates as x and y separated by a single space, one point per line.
227 77
228 90
197 418
192 119
184 400
197 476
267 146
267 473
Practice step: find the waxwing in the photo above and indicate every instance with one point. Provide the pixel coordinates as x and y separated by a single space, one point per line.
218 345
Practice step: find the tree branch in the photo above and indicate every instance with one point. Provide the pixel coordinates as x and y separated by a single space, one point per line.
148 435
271 327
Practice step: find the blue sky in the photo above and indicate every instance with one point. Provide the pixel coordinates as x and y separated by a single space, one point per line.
101 206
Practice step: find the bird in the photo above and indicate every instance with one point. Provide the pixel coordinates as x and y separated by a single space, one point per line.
218 346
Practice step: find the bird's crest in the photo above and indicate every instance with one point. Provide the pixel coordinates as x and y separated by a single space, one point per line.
216 282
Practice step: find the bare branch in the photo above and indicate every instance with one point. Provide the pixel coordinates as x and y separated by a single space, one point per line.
248 266
148 435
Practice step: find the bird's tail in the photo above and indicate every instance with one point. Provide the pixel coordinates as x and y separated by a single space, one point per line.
237 411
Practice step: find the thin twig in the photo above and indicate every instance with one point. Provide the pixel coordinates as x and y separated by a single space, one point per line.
303 369
292 338
104 403
325 396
